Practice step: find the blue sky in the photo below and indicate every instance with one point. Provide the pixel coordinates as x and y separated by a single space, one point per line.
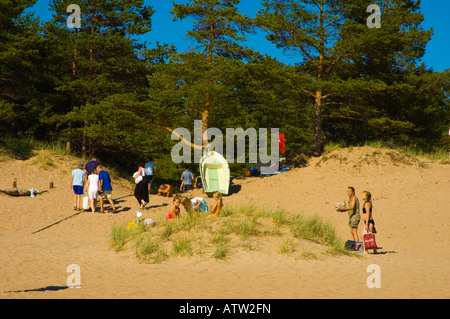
166 31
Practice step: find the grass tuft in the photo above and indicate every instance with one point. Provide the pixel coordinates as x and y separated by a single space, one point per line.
245 227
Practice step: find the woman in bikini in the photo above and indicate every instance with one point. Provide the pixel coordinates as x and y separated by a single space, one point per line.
369 223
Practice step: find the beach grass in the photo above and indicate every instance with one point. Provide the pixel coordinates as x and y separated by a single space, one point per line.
245 227
410 151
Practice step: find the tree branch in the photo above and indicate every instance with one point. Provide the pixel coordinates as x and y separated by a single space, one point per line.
181 138
343 117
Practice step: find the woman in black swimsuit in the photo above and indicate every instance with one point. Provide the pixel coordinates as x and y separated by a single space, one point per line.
369 223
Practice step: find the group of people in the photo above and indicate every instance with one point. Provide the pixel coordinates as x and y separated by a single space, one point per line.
91 179
196 204
143 178
94 181
353 209
187 183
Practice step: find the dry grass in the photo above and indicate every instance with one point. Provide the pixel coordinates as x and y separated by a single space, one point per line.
242 228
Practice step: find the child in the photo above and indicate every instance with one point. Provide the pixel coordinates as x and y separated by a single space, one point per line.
199 204
174 211
92 189
77 183
217 205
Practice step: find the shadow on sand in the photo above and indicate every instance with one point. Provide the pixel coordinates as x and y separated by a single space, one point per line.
48 288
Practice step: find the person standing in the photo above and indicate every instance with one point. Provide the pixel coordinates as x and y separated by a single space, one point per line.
91 165
105 188
353 212
369 223
77 184
92 189
150 169
141 189
187 179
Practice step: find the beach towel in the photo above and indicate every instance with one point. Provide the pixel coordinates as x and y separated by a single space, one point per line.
350 245
137 178
33 192
353 245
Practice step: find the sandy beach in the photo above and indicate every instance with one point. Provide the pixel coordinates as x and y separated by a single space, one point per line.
41 236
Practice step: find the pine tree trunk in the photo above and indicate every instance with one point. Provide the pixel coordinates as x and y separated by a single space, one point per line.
318 144
205 118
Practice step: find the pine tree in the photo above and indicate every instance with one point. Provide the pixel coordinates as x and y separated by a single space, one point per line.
97 60
337 49
219 30
20 56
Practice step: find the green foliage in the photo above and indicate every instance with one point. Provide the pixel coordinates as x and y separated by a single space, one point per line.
98 89
21 82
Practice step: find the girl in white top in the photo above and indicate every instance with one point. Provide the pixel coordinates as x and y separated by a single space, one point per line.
199 204
92 185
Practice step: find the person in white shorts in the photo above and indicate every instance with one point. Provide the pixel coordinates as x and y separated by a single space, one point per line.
92 190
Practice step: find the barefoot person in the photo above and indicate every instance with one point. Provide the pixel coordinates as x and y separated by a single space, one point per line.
77 185
105 188
141 189
353 213
369 223
92 189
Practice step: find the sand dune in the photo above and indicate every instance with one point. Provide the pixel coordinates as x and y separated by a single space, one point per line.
41 236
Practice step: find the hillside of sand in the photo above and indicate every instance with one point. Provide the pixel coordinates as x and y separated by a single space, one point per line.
41 236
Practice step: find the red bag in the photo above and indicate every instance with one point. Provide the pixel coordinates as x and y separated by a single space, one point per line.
369 241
